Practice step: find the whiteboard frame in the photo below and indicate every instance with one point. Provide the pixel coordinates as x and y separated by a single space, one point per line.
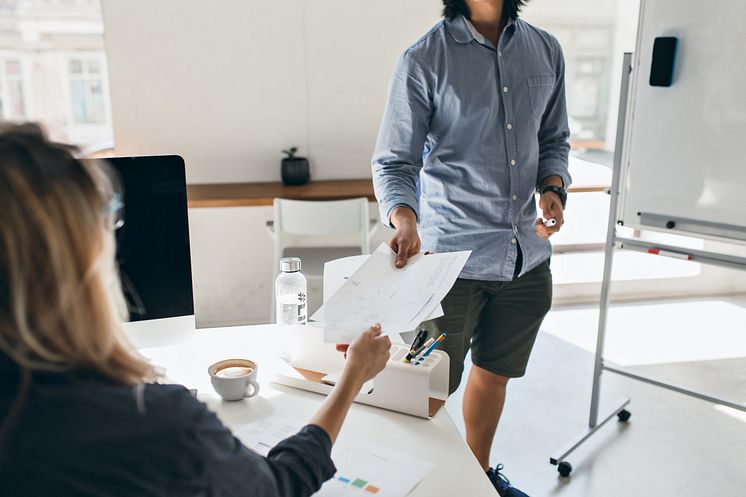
658 221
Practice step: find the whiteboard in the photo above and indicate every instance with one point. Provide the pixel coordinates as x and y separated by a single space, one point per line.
684 159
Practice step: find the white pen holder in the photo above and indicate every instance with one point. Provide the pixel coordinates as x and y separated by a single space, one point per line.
419 390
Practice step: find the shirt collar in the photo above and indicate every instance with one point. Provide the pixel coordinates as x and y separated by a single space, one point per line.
463 31
473 31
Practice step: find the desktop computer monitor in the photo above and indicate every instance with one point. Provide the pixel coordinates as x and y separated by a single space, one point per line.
153 245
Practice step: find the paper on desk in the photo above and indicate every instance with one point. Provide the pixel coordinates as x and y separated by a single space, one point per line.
362 468
398 298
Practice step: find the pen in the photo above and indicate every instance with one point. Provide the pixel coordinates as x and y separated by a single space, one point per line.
418 341
675 255
422 347
550 222
433 346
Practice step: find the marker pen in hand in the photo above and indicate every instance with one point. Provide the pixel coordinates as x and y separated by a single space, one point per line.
550 223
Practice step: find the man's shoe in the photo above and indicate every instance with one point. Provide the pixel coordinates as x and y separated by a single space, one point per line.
502 484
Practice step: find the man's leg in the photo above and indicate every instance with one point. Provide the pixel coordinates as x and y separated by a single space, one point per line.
483 404
501 346
461 310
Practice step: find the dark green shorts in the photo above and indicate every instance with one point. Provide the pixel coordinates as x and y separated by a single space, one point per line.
498 320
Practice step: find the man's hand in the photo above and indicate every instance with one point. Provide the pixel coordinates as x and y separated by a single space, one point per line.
551 208
406 241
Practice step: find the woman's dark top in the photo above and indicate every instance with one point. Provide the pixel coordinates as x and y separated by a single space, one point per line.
80 434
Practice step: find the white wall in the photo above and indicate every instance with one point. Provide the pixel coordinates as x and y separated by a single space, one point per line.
229 84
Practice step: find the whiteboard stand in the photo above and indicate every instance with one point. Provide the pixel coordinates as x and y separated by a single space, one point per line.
612 242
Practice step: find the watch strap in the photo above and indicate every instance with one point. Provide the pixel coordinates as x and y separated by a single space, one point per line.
558 190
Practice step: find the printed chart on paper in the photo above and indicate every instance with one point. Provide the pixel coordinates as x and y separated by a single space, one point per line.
363 469
398 298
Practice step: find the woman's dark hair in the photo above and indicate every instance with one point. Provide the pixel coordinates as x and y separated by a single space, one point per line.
454 8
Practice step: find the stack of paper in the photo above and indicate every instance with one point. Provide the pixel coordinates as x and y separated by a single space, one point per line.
398 298
363 469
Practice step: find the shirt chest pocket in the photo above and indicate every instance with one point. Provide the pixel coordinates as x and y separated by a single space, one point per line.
539 90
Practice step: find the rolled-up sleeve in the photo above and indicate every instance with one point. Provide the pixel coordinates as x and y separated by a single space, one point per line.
554 132
397 159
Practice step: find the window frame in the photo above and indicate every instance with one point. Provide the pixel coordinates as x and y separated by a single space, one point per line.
10 55
85 57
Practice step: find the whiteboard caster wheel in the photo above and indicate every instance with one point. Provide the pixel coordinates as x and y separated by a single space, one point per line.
564 468
623 415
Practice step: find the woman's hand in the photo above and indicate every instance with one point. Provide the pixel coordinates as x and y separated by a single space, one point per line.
366 357
368 354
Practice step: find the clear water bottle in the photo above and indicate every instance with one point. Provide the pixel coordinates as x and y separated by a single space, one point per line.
290 293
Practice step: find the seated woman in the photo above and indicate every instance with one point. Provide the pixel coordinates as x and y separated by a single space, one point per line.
79 414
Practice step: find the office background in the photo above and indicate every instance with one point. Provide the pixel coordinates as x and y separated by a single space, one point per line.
240 80
251 78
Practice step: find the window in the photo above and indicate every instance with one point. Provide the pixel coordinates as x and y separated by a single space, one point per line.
594 36
87 91
53 69
12 100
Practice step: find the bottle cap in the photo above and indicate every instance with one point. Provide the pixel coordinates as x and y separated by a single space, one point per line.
289 264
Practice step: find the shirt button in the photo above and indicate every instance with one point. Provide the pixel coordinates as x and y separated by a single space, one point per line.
512 162
499 53
510 126
513 241
505 89
515 197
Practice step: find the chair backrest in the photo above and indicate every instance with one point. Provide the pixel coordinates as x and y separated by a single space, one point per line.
322 217
318 218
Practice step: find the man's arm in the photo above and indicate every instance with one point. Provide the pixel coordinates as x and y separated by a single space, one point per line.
554 132
397 159
554 150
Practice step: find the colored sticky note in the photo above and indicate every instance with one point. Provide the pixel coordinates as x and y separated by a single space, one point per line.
343 479
372 489
359 483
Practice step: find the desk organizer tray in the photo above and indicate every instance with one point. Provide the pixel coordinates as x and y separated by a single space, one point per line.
416 389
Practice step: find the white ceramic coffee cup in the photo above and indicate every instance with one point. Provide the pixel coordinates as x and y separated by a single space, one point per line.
234 379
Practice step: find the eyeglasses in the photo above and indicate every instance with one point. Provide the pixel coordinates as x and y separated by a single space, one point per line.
114 211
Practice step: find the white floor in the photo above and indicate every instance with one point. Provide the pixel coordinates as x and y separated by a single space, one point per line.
673 444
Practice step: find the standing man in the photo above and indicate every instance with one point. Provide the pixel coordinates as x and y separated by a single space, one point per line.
475 125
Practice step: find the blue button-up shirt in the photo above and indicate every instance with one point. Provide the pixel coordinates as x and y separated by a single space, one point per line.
469 132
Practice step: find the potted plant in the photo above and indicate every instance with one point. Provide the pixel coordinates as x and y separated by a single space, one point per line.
294 169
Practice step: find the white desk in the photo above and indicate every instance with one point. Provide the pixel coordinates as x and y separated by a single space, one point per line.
456 471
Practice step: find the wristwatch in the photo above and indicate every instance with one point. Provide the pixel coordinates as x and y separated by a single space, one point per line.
561 193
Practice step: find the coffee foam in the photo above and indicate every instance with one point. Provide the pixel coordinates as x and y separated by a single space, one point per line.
234 372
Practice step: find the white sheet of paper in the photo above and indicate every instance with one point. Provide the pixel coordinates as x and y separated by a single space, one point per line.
362 467
338 271
398 298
